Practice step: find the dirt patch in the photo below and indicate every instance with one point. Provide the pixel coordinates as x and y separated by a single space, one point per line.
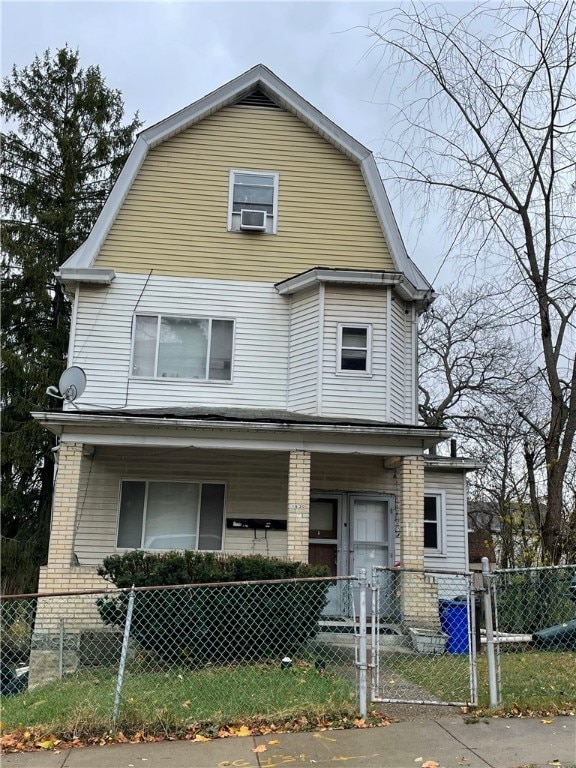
398 712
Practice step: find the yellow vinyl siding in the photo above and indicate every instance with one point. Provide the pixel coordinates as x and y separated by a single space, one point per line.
175 217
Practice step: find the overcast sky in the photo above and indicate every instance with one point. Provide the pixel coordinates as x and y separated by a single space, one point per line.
165 55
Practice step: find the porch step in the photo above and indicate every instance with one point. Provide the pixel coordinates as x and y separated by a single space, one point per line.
343 631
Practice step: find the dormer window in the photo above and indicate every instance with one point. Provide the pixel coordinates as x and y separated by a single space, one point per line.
253 201
355 349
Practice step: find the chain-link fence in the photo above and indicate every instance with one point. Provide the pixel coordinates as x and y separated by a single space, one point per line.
200 653
424 637
535 614
274 650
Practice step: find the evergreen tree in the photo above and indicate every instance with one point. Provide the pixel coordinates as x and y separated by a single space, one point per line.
63 146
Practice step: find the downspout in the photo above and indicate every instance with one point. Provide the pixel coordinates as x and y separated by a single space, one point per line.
320 337
415 373
289 370
388 352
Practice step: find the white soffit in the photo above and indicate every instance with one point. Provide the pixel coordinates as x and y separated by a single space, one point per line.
261 77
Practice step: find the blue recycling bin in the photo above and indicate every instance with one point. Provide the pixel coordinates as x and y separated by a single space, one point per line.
454 623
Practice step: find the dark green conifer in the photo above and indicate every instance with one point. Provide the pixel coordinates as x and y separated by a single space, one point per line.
63 145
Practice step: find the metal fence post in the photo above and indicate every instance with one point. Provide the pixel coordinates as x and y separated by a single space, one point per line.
490 654
61 650
375 649
123 655
362 656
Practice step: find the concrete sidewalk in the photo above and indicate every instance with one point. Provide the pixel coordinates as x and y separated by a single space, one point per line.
448 741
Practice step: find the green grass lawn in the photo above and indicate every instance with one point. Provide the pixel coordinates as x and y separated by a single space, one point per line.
168 703
532 681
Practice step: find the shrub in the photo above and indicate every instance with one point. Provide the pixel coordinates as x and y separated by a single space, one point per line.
533 600
223 622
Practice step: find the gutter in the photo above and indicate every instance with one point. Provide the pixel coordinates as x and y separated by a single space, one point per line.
56 422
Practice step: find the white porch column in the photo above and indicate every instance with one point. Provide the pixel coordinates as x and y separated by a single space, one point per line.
298 505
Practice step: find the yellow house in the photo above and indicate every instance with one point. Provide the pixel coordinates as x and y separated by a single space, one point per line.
245 313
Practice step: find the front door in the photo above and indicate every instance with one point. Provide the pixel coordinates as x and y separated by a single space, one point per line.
323 543
349 532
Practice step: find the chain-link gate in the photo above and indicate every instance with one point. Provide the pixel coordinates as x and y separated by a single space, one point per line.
423 637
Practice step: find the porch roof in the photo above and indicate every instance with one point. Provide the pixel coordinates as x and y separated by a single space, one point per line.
264 428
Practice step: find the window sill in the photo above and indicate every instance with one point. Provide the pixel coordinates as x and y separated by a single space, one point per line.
250 232
123 550
176 380
355 374
435 555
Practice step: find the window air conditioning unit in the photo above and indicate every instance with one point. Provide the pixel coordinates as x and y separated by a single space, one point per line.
253 220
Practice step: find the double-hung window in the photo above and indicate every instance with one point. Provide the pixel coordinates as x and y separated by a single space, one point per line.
434 523
170 515
253 191
182 348
354 349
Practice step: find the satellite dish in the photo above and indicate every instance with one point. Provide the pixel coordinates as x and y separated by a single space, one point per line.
72 383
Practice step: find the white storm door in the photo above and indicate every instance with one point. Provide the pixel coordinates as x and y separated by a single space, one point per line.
372 543
371 533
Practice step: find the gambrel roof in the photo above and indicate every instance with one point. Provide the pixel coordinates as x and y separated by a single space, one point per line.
258 86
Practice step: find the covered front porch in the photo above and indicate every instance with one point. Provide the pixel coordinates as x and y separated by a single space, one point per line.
344 495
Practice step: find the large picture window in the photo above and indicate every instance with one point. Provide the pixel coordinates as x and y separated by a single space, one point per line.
182 348
170 515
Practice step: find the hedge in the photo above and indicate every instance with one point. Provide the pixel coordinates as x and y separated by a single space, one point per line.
215 623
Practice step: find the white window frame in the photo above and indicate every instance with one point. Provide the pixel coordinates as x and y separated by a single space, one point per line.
147 482
361 327
234 219
440 496
155 377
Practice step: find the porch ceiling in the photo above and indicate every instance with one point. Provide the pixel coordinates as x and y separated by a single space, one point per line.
240 428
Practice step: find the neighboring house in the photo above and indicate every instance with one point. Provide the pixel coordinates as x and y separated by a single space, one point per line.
246 315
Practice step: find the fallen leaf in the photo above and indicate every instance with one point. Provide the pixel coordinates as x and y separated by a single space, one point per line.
45 744
199 737
546 722
274 741
430 764
261 748
243 730
555 762
186 704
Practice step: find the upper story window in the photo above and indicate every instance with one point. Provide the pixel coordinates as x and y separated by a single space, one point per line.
170 515
182 348
253 204
355 349
434 523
